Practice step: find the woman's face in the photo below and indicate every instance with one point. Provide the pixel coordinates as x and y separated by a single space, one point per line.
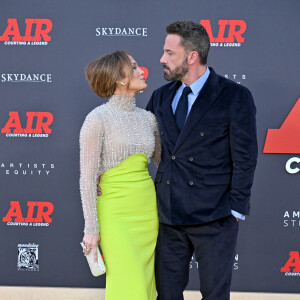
137 82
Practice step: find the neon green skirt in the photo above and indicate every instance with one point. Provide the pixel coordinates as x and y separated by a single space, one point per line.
127 214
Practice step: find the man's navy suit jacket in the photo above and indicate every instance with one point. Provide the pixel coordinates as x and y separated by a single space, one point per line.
207 169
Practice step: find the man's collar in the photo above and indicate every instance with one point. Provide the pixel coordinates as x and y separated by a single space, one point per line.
198 84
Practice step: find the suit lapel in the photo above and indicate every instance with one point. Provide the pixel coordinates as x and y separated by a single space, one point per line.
207 96
168 117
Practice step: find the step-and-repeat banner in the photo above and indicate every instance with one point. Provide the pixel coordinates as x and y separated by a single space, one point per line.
44 48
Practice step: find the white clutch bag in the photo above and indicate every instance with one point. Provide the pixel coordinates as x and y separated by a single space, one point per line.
97 268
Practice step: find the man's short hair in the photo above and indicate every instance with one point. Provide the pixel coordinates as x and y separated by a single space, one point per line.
193 37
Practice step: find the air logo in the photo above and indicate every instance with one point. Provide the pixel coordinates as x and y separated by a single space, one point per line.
286 139
292 266
37 123
38 213
36 32
234 29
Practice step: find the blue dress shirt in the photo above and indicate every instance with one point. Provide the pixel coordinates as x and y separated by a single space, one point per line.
196 88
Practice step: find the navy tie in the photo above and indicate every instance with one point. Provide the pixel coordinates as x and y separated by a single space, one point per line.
182 107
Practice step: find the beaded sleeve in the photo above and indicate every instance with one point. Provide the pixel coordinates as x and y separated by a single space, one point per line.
157 148
91 135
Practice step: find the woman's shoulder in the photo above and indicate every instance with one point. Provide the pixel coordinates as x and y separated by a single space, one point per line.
147 114
96 116
97 113
149 117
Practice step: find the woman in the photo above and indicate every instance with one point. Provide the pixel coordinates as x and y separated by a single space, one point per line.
117 141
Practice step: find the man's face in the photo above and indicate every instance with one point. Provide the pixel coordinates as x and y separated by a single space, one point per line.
174 59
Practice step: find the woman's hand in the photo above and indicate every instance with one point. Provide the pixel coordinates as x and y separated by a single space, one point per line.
91 241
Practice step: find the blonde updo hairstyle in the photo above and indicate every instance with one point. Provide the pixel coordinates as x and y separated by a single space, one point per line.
105 72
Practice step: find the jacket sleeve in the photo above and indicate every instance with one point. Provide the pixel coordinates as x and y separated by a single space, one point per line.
243 144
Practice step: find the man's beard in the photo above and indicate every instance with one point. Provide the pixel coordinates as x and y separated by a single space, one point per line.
178 73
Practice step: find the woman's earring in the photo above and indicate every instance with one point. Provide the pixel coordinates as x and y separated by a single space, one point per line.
122 83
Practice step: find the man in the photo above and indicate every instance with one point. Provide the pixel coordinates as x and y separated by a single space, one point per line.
209 151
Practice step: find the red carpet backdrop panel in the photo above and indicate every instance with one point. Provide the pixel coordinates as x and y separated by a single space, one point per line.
45 46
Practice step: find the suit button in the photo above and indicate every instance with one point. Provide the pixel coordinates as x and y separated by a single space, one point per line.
191 183
168 181
161 133
201 133
191 158
173 157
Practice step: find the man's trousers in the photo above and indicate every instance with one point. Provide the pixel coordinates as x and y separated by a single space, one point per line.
214 246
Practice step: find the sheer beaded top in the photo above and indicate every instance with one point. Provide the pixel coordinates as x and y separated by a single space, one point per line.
110 133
